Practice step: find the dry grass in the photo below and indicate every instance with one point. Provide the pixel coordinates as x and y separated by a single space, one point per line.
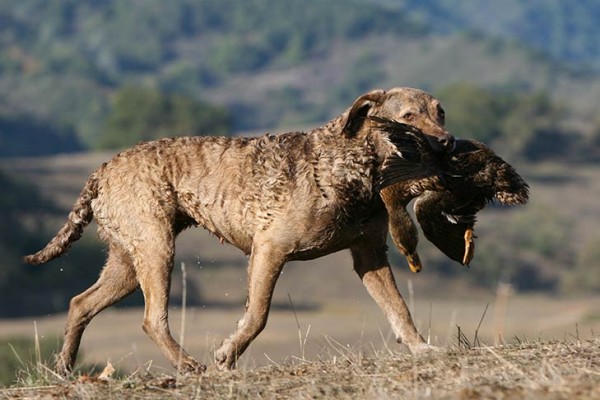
556 370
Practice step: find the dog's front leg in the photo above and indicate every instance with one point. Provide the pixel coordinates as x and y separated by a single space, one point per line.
266 263
372 266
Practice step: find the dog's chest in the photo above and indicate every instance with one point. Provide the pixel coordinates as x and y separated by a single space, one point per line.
334 228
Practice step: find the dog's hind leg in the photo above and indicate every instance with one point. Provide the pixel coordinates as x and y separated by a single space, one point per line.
116 281
153 265
266 263
373 268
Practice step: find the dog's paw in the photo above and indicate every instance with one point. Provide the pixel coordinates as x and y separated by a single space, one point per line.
62 367
225 356
424 349
191 366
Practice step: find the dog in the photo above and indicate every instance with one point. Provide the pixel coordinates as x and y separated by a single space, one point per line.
292 196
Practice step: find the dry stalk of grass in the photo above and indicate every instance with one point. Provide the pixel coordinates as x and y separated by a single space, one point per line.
476 341
558 370
500 311
301 341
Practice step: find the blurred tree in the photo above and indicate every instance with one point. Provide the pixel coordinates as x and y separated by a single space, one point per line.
23 135
517 124
584 276
239 54
184 78
18 353
142 114
540 230
590 147
37 289
531 127
534 243
16 201
364 73
471 112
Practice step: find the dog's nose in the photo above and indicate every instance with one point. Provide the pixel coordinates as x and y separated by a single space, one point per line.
447 141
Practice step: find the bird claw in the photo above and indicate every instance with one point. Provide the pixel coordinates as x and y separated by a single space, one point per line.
469 246
414 263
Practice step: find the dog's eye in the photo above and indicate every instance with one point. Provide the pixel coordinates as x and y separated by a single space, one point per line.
441 114
408 116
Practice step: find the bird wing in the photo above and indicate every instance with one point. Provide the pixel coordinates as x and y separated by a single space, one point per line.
413 158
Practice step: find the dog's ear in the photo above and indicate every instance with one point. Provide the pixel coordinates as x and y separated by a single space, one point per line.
358 111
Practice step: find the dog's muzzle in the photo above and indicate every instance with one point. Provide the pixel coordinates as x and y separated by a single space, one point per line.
447 143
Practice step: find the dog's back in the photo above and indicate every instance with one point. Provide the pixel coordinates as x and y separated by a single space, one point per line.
296 184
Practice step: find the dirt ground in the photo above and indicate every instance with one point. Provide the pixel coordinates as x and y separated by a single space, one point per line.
566 369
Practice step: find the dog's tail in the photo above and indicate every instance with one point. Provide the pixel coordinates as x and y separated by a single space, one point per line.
79 217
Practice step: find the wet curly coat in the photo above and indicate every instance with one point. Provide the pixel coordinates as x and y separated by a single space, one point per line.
293 196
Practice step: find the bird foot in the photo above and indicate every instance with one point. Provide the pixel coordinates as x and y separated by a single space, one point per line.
414 262
469 246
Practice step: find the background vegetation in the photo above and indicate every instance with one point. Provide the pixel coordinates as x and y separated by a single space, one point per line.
524 77
18 353
142 114
63 63
85 75
23 215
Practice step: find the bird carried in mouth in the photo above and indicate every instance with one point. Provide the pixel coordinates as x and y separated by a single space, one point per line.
450 189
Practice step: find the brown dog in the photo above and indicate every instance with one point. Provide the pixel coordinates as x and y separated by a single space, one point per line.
294 196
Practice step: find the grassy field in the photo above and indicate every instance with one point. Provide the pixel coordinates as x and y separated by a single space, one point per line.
342 349
565 369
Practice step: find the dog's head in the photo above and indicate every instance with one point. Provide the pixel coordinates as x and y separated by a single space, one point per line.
410 106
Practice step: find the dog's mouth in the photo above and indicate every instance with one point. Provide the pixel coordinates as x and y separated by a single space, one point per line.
452 146
445 143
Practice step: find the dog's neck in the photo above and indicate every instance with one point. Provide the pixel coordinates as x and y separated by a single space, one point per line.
341 161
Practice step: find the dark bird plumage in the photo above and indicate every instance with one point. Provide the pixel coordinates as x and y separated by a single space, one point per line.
450 187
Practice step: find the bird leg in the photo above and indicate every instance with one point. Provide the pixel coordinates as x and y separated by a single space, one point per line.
414 262
469 246
402 228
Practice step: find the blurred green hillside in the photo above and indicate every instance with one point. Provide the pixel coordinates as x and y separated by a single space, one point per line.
564 30
272 64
